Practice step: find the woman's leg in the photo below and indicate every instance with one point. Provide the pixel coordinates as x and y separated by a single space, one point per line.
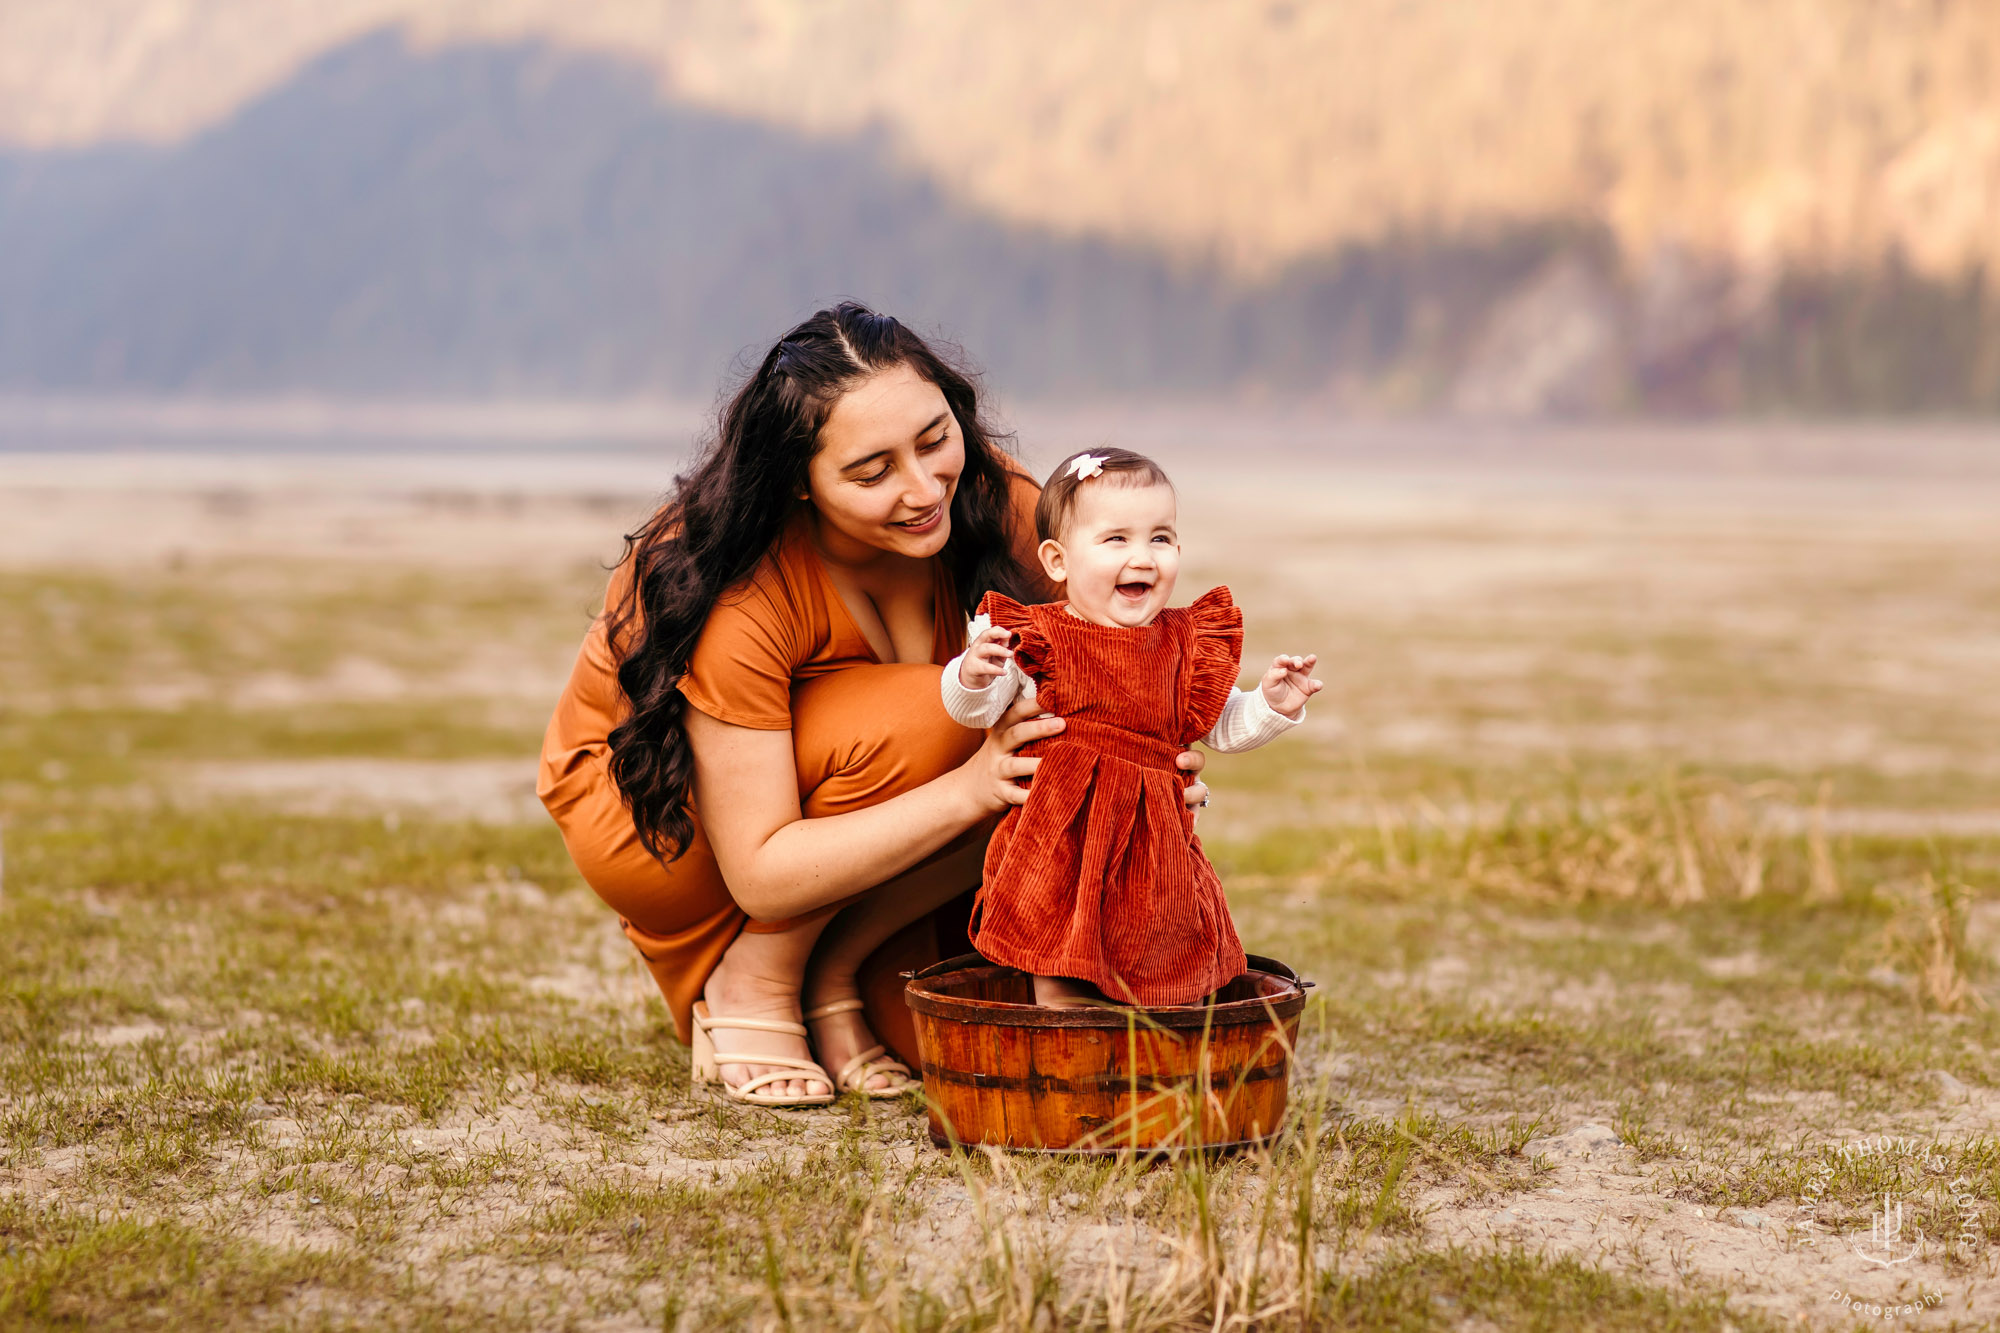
695 940
863 736
860 736
759 977
862 928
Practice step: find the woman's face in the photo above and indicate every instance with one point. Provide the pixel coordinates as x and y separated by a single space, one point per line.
887 467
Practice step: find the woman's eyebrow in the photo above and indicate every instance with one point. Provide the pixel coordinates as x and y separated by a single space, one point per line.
860 463
879 454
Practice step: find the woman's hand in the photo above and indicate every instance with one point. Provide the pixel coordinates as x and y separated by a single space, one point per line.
992 771
1193 761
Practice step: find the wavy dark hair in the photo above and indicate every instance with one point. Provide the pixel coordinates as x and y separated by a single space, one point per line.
727 511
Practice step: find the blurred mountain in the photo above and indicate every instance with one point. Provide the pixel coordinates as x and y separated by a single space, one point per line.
1484 205
523 220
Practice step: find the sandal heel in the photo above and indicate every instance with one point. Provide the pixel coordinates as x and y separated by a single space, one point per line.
701 1064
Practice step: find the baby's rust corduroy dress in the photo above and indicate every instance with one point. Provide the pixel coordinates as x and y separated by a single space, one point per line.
1100 875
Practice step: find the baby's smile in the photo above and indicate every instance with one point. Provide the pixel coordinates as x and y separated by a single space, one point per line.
1119 554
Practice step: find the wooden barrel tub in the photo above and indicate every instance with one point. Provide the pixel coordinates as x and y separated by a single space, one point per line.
1001 1070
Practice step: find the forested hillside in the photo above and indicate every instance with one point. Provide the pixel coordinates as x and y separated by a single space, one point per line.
1485 207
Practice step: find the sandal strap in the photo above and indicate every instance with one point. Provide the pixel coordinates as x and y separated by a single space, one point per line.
709 1023
856 1072
750 1085
789 1062
867 1065
788 1068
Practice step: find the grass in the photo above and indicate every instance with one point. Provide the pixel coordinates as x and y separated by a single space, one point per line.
320 1030
261 1067
1433 1289
106 747
65 1270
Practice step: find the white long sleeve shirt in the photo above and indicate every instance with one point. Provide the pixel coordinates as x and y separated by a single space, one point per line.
1247 721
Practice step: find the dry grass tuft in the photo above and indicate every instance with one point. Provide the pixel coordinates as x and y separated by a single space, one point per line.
1928 932
1677 839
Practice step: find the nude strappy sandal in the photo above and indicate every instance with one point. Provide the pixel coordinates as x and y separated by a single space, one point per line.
854 1075
708 1062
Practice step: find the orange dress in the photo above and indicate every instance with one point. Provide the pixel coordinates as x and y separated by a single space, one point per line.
1100 875
780 652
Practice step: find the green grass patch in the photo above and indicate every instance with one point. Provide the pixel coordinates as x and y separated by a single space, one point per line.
64 1270
73 748
1418 1289
181 853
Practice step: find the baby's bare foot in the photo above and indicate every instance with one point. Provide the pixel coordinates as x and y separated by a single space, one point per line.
1066 993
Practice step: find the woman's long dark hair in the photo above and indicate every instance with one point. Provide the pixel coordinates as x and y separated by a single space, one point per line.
728 510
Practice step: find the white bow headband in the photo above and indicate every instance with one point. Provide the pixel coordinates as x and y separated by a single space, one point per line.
1085 466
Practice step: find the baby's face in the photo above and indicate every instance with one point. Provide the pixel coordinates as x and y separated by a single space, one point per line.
1119 554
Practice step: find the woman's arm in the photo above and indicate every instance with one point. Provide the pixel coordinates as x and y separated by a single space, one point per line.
778 863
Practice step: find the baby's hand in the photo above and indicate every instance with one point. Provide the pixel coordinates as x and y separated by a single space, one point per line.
986 658
1289 683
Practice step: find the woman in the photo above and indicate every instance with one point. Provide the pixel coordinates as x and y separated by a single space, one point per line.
769 655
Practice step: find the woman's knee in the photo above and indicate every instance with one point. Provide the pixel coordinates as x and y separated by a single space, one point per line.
662 899
866 734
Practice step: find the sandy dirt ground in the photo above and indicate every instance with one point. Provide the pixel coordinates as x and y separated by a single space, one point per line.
1813 631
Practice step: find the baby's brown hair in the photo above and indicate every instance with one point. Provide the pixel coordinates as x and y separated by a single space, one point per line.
1122 467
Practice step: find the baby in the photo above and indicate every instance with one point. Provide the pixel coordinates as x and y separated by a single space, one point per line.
1097 886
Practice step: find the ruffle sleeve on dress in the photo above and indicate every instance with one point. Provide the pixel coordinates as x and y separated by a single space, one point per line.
1031 647
1217 653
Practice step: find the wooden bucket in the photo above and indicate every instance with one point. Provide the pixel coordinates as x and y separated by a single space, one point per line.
1000 1069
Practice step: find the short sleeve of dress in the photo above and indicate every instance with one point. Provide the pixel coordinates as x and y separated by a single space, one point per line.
1216 653
750 649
